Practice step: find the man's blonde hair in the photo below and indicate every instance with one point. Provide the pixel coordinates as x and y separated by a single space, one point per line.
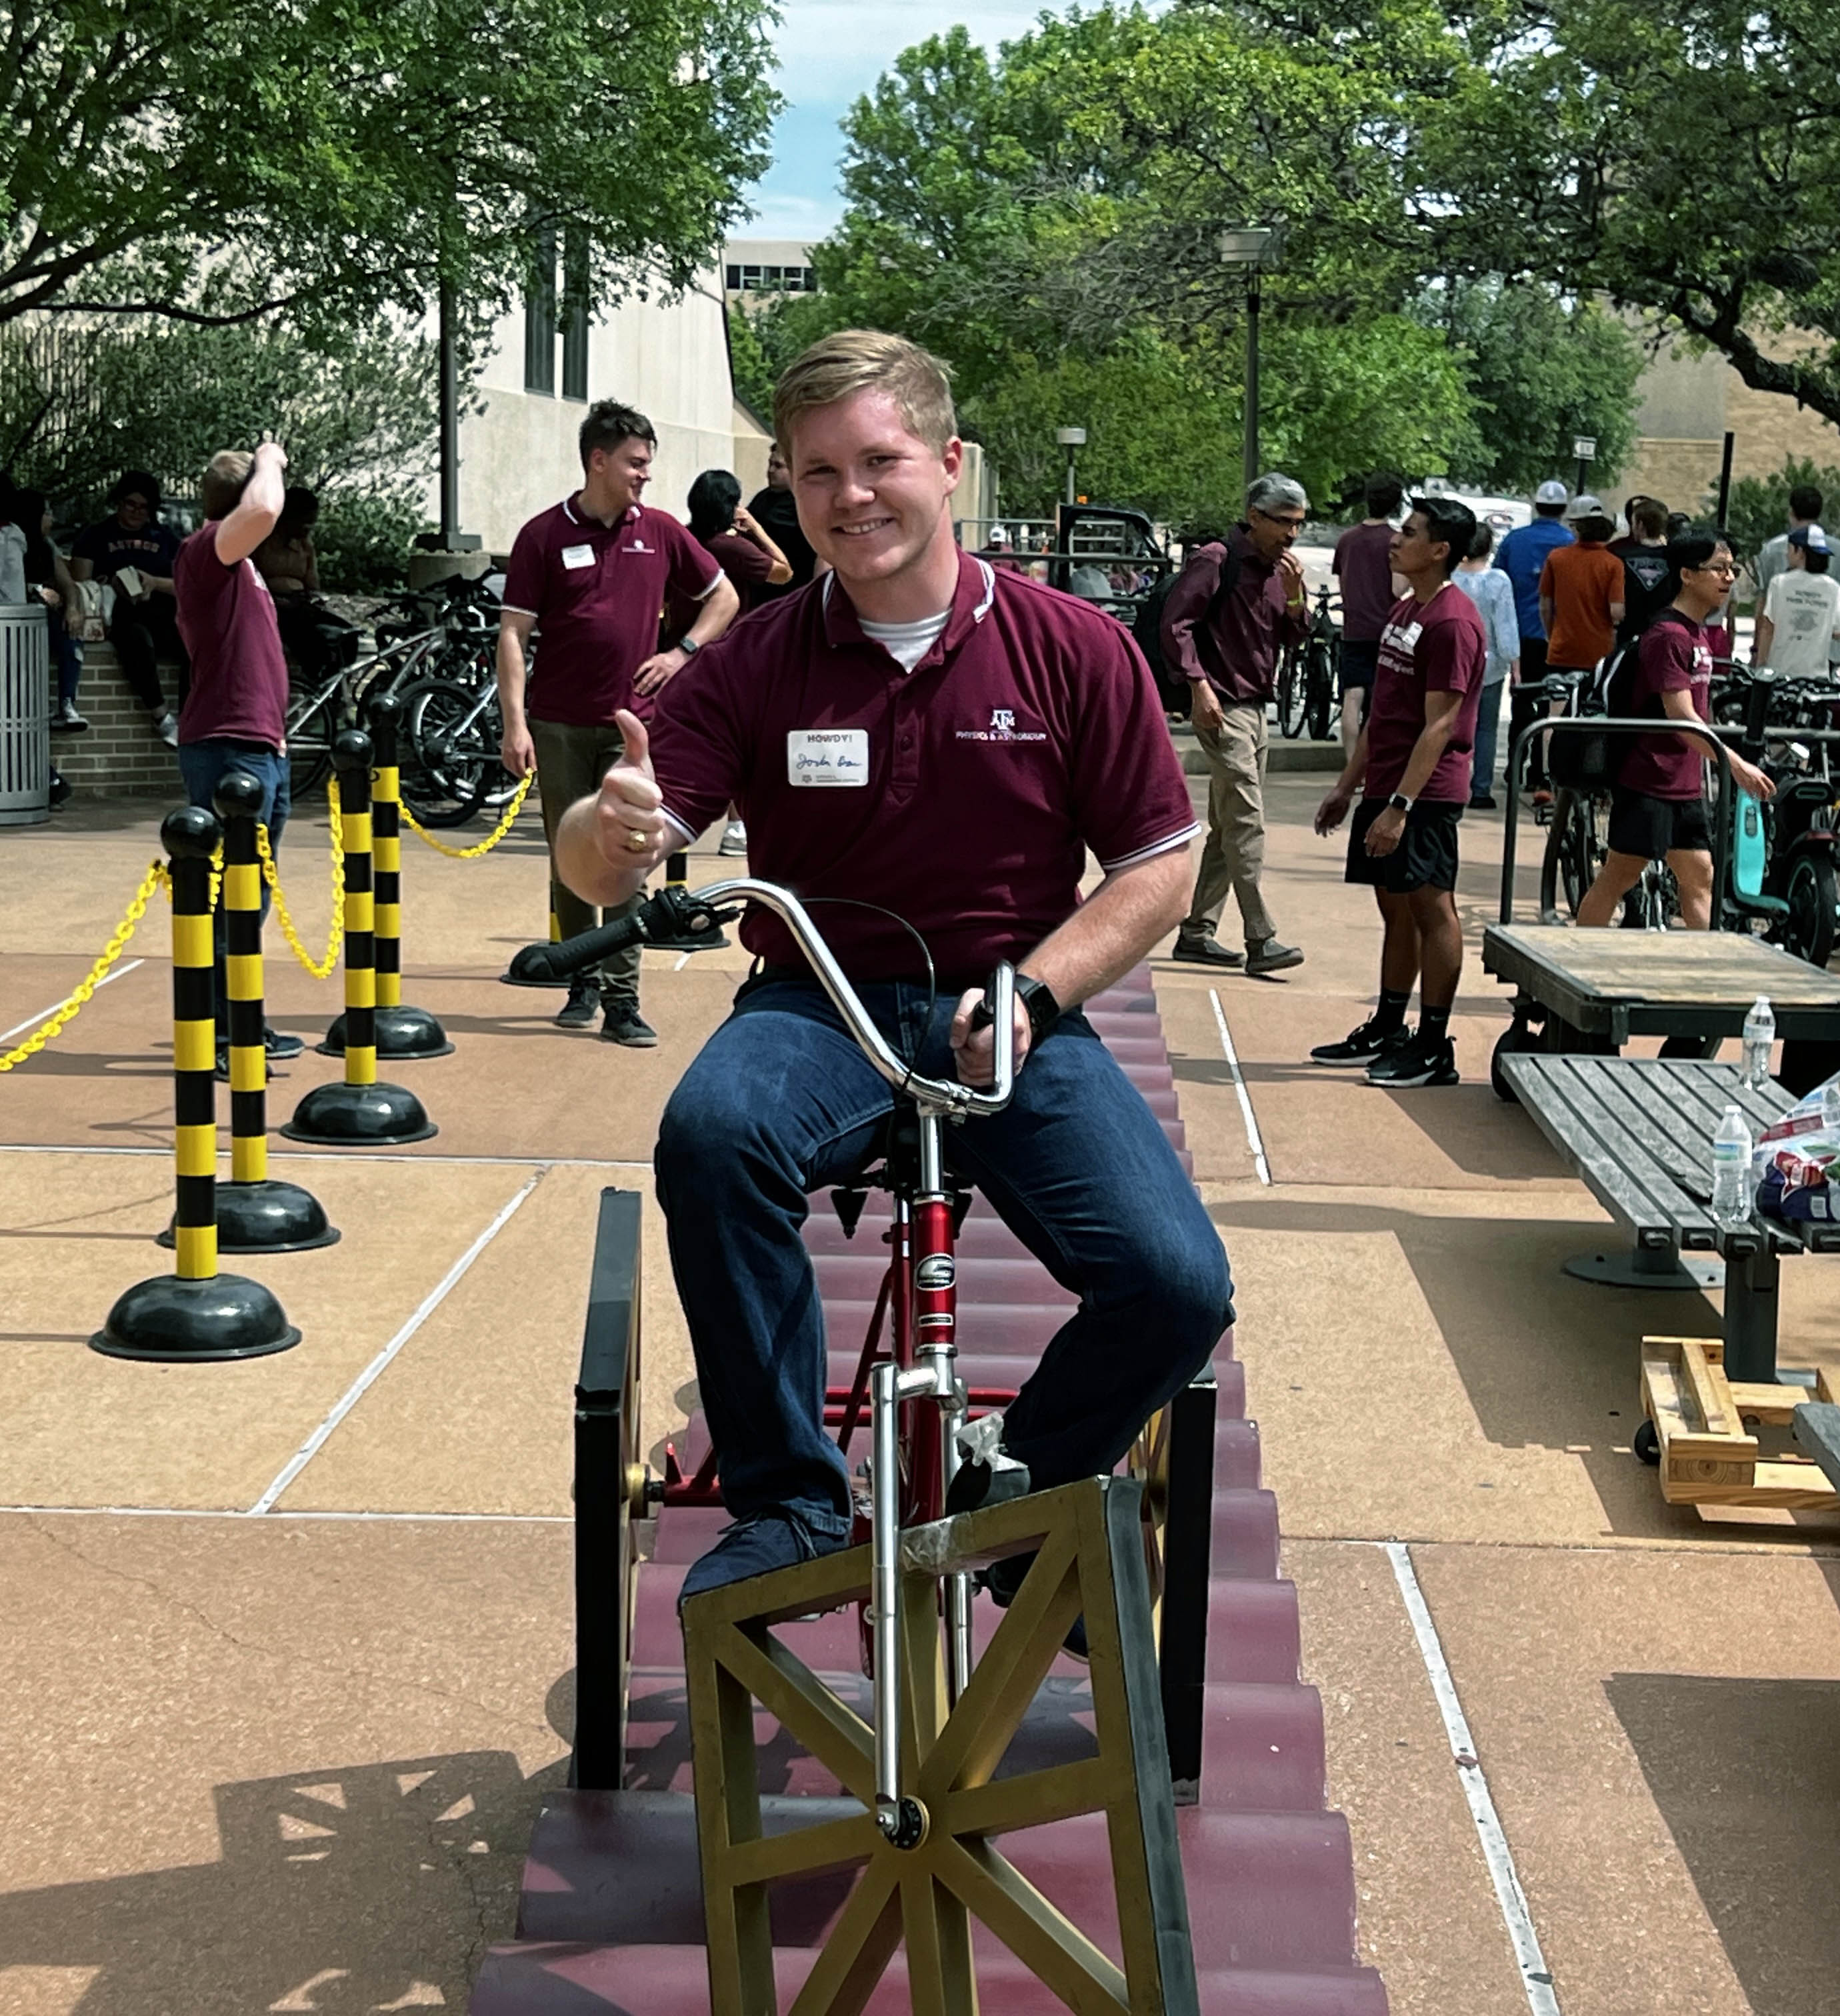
225 476
867 360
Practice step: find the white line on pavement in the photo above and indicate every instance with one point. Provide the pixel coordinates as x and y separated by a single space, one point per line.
1536 1976
378 1364
1238 1085
45 1014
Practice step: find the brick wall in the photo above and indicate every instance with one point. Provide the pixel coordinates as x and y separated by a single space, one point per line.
121 757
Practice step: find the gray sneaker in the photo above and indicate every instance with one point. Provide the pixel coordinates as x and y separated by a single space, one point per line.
1271 957
1196 949
623 1024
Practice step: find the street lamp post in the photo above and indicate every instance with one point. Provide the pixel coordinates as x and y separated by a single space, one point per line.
1254 248
1071 438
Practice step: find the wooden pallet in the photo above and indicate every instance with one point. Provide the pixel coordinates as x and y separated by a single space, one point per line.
1708 1456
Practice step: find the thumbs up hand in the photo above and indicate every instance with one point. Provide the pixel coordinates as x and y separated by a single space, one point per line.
630 829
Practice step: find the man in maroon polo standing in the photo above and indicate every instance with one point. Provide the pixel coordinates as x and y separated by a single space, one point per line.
590 575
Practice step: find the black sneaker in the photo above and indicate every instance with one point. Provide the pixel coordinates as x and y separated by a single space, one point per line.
775 1539
277 1043
1417 1062
1484 804
578 1011
624 1023
1271 957
1195 948
1361 1045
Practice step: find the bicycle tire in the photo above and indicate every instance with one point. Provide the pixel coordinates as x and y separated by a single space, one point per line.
442 781
1319 690
309 749
1808 930
1291 692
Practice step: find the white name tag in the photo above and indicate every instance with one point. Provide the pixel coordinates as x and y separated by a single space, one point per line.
827 756
578 557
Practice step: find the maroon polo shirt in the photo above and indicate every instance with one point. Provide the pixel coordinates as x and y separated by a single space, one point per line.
1437 647
1239 654
1363 565
597 593
746 567
961 796
226 617
1674 656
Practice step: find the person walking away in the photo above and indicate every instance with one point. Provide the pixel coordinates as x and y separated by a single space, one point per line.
1647 580
319 641
774 511
752 561
133 553
1658 805
1800 623
1362 567
235 717
1235 606
1581 597
1522 557
590 575
1805 506
1625 541
1000 731
1411 768
1493 595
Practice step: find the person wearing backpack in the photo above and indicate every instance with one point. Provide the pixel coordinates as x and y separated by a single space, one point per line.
1658 803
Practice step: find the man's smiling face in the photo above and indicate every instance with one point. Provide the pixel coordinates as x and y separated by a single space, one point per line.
871 494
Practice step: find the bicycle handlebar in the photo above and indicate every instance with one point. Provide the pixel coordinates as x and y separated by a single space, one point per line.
674 914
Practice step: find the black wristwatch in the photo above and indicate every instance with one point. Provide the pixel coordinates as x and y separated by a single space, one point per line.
689 646
1399 802
1038 997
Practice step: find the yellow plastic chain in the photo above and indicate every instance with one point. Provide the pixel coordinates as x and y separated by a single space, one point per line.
66 1011
320 969
491 839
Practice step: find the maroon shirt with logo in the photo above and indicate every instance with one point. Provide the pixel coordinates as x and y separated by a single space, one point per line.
598 592
1361 564
1437 647
961 796
226 617
746 567
1239 656
1674 656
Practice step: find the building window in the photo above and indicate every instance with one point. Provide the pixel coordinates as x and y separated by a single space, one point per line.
734 280
574 324
539 319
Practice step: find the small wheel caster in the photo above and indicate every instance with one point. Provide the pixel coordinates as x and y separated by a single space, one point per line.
1648 1444
906 1826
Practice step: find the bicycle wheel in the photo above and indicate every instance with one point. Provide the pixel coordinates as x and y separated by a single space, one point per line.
1319 688
1573 852
310 736
1290 693
442 757
1808 930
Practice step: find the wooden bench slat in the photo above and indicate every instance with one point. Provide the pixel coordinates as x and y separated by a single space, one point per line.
1651 1123
1553 1097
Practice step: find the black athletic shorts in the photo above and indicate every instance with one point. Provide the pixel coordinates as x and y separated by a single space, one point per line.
1425 858
1649 828
1358 663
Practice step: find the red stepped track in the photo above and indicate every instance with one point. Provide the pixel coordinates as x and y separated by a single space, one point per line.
609 1920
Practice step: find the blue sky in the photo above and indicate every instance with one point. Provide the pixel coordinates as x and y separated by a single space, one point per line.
831 52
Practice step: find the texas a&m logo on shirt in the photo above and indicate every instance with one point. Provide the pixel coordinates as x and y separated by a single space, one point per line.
1002 729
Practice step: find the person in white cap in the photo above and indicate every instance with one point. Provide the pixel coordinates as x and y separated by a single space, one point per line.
1800 620
1522 557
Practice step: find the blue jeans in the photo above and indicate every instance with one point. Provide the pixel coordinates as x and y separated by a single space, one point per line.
203 765
1488 727
781 1102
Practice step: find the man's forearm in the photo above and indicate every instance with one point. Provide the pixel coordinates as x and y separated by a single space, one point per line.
511 679
721 605
1765 637
1113 929
1355 774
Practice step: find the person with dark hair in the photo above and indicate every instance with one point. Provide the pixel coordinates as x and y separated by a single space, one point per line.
1366 574
1798 625
1805 506
133 553
1522 557
590 575
318 638
774 510
1647 585
1658 805
1631 506
1412 768
1493 595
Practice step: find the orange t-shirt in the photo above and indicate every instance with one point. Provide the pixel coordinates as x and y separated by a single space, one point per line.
1583 580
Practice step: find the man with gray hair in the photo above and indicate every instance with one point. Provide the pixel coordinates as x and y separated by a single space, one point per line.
1239 601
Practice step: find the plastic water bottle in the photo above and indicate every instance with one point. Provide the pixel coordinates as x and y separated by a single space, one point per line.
1731 1168
1759 1041
1830 1109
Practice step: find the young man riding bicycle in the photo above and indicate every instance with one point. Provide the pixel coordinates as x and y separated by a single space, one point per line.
926 748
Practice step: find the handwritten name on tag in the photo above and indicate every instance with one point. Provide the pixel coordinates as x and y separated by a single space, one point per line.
826 757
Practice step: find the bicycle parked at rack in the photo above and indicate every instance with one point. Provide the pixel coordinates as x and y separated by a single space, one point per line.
1307 677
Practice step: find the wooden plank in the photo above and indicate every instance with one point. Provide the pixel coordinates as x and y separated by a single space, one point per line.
1710 1394
1775 1405
1550 1089
1690 969
1793 1487
1625 1096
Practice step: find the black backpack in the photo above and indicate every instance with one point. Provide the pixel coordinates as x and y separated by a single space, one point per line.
1585 762
1146 627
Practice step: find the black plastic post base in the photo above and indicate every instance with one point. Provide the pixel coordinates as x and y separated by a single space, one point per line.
359 1116
268 1217
402 1032
168 1321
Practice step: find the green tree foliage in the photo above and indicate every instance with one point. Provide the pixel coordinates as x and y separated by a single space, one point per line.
336 158
1759 505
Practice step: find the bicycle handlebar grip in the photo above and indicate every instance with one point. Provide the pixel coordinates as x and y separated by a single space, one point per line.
572 955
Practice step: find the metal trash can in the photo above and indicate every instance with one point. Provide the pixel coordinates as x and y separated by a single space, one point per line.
25 714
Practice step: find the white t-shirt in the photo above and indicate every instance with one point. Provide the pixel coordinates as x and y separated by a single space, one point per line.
1805 609
907 643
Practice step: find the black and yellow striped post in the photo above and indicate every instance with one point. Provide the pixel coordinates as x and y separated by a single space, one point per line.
401 1031
194 1312
361 1112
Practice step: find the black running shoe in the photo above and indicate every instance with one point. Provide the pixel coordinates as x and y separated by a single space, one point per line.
1417 1062
1362 1046
580 1009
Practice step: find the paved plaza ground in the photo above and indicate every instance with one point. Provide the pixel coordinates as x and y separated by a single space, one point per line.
287 1675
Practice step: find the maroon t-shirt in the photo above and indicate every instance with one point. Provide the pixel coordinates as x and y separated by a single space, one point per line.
746 567
1674 656
598 592
1361 566
961 796
1437 647
1239 654
226 617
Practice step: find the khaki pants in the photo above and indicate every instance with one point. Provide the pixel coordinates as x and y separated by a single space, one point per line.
571 762
1234 856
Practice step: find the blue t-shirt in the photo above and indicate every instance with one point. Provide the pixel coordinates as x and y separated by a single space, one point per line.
1522 557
